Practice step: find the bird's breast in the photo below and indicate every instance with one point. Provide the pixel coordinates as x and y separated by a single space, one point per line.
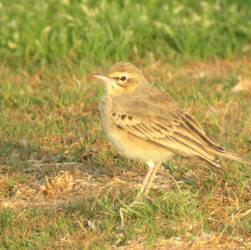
128 144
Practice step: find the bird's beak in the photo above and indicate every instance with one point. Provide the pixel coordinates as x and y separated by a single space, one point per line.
103 78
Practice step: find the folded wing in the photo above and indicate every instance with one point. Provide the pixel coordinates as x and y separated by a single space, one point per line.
166 126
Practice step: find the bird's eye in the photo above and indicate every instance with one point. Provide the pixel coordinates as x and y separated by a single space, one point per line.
122 78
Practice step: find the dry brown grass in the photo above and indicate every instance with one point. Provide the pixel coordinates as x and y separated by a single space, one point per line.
205 242
72 163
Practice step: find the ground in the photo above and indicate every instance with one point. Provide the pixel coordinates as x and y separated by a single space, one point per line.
62 185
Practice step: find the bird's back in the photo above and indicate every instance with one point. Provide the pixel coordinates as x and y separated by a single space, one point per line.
155 117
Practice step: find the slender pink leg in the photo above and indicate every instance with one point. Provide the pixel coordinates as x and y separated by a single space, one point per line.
152 177
145 182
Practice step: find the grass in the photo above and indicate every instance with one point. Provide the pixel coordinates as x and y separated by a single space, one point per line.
96 32
61 184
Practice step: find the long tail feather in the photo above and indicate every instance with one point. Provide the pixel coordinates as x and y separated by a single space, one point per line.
235 157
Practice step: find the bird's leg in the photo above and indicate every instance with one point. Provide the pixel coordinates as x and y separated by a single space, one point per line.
146 179
153 174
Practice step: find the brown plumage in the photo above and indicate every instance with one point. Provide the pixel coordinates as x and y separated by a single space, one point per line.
147 125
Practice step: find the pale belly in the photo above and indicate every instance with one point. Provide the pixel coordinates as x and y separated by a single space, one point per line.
136 148
130 145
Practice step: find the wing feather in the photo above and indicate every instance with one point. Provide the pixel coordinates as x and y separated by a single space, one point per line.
171 128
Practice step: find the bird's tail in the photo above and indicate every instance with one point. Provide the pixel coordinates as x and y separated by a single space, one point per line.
235 157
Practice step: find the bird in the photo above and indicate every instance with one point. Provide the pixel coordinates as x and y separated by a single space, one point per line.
147 125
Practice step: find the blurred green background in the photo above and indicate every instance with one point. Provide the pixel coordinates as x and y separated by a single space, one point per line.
93 32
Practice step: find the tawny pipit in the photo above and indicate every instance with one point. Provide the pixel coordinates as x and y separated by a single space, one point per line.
145 124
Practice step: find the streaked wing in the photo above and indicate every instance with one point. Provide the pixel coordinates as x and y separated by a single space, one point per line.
166 126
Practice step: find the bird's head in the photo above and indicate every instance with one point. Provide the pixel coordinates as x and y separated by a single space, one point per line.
122 78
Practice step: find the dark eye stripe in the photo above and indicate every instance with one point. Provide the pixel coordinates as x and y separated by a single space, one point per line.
121 85
115 78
